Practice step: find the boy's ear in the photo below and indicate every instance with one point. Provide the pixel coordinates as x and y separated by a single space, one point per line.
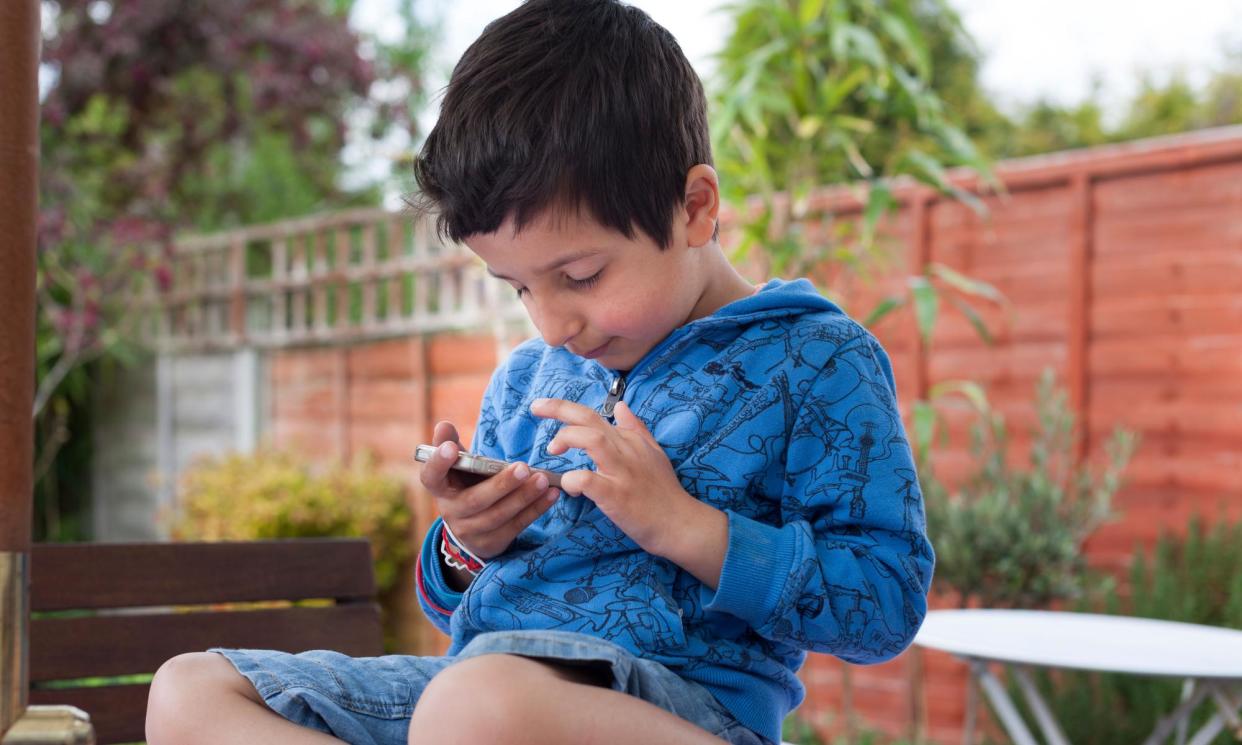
702 204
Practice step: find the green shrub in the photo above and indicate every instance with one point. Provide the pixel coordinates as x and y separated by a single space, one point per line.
1196 578
274 494
1013 536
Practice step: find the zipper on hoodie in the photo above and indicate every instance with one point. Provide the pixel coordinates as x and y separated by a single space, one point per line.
616 390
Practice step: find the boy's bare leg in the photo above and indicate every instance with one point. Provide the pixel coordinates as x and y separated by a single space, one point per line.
511 700
200 699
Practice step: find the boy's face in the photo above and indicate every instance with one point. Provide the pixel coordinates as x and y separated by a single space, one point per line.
592 290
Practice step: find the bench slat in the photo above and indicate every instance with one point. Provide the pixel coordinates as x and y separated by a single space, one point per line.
118 713
87 576
65 648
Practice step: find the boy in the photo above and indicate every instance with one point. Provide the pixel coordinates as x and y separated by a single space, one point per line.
737 487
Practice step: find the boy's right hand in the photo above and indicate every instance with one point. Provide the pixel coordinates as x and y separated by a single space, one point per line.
485 513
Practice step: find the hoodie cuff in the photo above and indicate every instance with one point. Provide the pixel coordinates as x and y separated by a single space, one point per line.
758 564
431 578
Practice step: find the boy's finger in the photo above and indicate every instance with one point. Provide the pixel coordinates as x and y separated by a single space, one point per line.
534 510
567 412
508 507
590 439
484 494
581 482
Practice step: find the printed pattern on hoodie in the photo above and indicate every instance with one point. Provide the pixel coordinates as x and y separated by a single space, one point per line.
778 410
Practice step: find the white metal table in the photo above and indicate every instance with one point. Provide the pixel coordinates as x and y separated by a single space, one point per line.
1209 659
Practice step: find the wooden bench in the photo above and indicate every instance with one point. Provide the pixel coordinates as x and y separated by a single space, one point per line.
109 610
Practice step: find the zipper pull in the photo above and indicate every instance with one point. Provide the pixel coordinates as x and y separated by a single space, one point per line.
615 391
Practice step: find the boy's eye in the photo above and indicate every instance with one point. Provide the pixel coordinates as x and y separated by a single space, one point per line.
519 290
587 282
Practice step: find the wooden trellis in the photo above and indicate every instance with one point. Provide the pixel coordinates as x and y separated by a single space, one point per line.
340 277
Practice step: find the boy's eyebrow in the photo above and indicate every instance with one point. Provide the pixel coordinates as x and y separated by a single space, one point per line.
568 259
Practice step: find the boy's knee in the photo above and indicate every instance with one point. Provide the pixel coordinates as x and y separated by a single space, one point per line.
488 698
186 687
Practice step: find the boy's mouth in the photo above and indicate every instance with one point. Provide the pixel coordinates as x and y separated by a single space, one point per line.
592 354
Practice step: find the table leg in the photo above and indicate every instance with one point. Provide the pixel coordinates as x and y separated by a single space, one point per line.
1227 712
1188 688
1043 715
1003 705
1208 732
972 711
1229 709
1170 721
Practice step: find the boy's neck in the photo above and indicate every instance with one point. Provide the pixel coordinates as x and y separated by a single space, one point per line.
723 285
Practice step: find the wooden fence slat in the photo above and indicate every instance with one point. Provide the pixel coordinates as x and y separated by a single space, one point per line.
279 328
369 322
320 288
397 253
422 280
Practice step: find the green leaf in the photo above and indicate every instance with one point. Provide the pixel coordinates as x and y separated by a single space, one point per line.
808 126
879 201
835 91
809 10
975 319
865 45
882 309
926 306
965 284
928 167
968 389
909 40
854 123
929 171
923 417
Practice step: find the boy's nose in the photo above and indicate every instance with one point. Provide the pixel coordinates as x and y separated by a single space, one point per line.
558 328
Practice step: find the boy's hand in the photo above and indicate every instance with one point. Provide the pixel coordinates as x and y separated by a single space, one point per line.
485 513
634 483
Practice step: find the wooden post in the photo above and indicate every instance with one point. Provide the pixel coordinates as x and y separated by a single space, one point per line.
920 219
1078 338
920 257
19 214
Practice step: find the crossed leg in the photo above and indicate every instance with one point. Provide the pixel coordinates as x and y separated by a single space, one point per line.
200 699
501 698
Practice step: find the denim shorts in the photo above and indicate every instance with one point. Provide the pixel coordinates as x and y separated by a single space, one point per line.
369 700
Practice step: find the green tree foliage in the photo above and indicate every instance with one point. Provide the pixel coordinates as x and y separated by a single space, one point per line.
819 92
170 115
1163 105
814 92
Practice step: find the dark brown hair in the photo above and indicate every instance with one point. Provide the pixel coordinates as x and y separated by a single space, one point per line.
567 105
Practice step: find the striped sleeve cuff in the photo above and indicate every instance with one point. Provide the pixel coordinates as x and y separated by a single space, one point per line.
432 587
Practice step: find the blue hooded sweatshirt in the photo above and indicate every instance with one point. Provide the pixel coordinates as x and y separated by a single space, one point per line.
779 410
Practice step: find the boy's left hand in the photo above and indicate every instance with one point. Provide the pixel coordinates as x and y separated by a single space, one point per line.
634 484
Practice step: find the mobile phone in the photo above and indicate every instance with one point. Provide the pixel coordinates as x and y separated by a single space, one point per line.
478 464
